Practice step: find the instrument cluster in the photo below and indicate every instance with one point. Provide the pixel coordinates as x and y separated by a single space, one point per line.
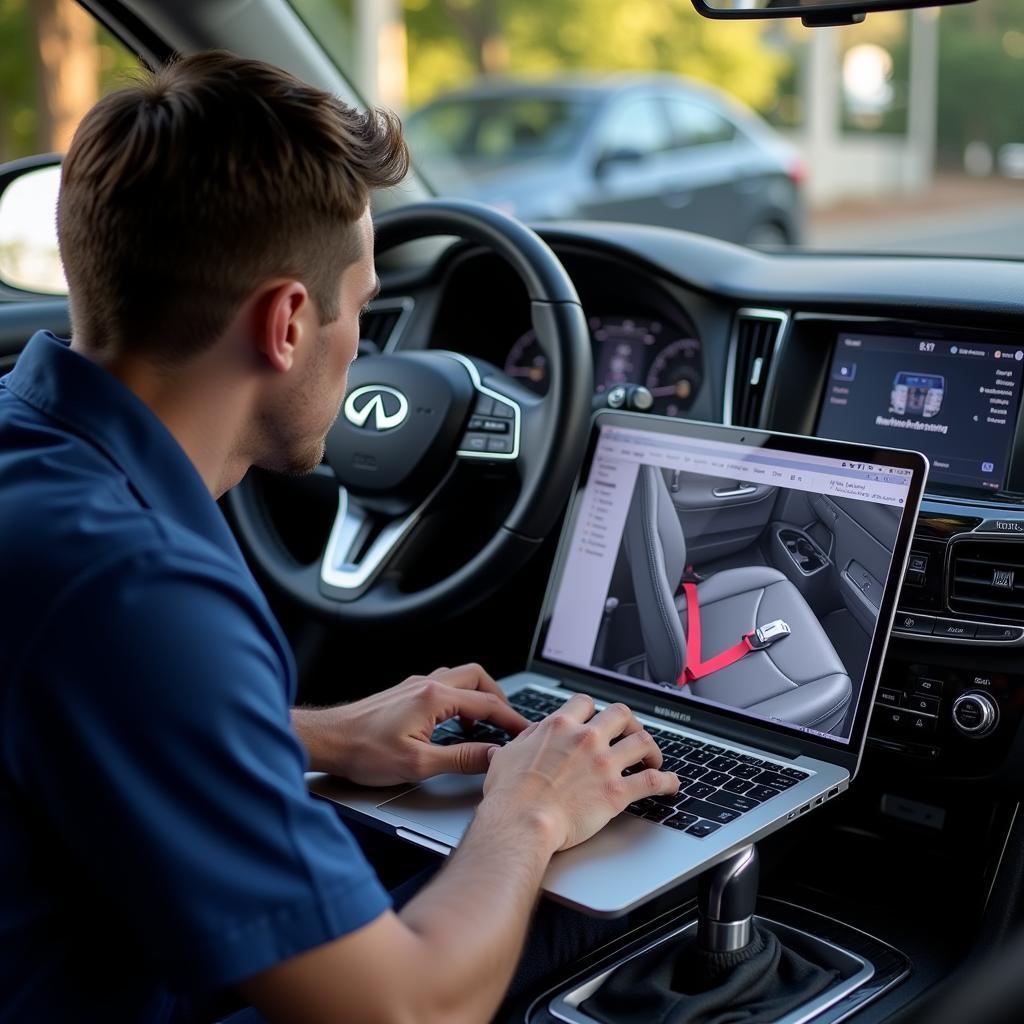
665 357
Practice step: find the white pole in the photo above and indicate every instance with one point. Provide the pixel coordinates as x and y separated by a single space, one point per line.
922 102
821 96
381 52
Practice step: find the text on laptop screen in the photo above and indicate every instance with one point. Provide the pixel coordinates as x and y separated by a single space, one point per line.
736 577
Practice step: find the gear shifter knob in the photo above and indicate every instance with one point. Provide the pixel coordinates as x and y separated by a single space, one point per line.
726 897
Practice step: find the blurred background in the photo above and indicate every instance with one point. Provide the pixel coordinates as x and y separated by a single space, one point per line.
903 133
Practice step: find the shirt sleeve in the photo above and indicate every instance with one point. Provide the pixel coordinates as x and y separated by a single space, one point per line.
155 739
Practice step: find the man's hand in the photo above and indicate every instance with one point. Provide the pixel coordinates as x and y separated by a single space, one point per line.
567 770
449 954
385 739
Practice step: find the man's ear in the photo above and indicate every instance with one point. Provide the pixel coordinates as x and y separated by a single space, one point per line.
277 324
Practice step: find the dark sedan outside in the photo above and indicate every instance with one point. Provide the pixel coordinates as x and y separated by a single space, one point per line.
651 149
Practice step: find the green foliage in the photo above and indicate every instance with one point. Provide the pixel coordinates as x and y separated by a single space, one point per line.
19 92
535 37
981 53
17 82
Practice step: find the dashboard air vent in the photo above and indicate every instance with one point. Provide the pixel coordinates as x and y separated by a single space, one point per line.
380 325
754 341
987 578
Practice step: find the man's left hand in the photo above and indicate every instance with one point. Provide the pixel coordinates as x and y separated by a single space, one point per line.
385 738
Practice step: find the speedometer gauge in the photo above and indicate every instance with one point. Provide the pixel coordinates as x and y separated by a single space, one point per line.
675 376
527 363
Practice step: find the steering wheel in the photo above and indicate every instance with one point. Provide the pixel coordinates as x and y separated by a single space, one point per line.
411 419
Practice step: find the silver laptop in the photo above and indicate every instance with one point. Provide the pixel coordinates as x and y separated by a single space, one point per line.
736 588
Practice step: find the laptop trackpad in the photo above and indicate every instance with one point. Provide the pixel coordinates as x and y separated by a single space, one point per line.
444 804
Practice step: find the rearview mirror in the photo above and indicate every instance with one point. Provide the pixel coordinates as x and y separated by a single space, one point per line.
29 259
813 13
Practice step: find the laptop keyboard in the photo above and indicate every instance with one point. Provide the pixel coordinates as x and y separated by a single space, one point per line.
716 783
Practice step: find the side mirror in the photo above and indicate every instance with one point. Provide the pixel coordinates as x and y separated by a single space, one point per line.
616 158
29 259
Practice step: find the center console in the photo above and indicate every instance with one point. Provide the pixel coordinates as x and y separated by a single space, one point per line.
947 696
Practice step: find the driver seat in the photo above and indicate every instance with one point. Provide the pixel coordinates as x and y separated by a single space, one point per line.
799 679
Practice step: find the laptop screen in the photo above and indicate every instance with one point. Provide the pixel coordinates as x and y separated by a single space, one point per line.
734 570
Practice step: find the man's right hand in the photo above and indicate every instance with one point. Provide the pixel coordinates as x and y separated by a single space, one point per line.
447 957
566 770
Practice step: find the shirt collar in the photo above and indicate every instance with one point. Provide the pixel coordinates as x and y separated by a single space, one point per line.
89 401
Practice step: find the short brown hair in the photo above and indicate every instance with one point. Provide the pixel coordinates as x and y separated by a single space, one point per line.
185 191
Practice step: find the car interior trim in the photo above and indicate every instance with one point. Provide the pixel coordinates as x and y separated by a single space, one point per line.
750 313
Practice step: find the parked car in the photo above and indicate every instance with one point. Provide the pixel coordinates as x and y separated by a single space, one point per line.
651 149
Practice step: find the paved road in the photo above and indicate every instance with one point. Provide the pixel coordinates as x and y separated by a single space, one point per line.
989 230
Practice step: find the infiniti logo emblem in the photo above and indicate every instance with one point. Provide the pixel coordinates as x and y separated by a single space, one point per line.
376 405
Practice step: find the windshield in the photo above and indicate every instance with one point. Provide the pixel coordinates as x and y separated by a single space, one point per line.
902 134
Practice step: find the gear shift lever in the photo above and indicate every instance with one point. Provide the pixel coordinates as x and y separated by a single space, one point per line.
734 965
725 903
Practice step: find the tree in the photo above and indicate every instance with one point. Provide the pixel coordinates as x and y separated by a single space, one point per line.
981 65
68 69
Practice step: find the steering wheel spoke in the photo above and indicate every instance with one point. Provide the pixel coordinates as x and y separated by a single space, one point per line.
361 546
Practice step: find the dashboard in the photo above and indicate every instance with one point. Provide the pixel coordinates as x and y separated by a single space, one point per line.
897 351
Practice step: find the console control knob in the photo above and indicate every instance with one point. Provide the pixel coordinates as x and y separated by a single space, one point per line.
975 714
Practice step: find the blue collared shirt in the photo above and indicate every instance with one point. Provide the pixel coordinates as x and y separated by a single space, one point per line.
156 838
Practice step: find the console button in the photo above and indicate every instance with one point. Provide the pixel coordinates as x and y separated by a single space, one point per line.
992 631
917 569
975 714
929 687
927 705
955 628
917 562
887 696
908 622
921 725
891 720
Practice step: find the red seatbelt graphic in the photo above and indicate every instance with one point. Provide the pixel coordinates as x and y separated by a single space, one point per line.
762 637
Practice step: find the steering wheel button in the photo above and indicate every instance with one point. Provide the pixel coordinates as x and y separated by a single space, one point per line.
492 426
484 406
499 444
477 443
502 410
476 423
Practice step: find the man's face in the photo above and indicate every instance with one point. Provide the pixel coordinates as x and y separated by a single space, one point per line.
296 426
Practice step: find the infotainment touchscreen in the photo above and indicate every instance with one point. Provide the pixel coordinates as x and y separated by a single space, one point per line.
955 401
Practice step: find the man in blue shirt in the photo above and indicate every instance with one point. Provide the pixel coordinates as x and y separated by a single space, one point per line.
158 843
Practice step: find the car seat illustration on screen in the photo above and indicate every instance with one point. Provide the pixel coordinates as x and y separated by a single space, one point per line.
745 636
919 394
